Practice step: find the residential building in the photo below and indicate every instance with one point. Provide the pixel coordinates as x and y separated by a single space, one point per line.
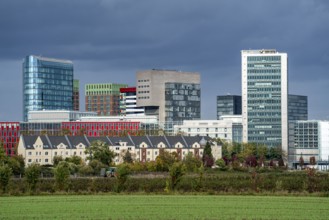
171 95
228 128
265 97
9 136
128 102
309 139
228 105
42 149
47 84
76 95
103 98
297 108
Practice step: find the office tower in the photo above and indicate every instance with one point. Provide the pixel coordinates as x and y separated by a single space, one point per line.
128 105
76 95
297 107
228 105
265 97
173 96
47 84
103 98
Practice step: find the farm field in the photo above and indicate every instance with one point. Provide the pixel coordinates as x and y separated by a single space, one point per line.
163 207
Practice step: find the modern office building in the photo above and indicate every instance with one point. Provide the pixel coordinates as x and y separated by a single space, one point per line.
265 97
128 104
297 108
228 128
47 84
309 139
9 136
173 96
228 105
76 95
103 98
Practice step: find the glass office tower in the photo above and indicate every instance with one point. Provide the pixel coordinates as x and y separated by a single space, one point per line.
228 105
47 84
265 98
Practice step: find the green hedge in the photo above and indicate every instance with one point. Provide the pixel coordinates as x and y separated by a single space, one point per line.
290 182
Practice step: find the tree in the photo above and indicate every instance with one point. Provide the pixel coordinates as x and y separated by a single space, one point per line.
122 174
32 175
62 174
5 175
207 157
176 172
17 164
127 157
165 160
3 156
99 150
56 160
301 161
191 162
74 159
312 160
96 165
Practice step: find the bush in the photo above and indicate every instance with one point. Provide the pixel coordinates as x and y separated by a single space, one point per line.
62 174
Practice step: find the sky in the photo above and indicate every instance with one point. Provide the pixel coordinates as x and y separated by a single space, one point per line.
110 40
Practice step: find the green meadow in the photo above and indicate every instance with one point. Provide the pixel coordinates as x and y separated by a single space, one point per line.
163 207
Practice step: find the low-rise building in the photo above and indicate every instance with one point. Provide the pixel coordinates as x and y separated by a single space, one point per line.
42 149
228 128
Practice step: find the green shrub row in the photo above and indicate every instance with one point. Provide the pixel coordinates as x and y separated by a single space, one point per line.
294 182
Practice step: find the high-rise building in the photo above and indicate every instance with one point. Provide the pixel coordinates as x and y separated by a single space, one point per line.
128 102
103 98
47 84
76 95
297 107
228 105
171 95
265 97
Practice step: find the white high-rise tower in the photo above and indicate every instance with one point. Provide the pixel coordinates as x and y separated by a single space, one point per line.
265 97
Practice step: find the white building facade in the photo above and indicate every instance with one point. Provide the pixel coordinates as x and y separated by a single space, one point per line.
265 97
228 128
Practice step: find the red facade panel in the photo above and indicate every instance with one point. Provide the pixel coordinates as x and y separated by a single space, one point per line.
9 136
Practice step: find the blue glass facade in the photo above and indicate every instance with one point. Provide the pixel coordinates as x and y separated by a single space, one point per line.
47 84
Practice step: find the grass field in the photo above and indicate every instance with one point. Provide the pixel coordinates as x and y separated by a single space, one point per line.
163 207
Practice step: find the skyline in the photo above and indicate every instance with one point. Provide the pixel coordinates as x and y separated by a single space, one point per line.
109 41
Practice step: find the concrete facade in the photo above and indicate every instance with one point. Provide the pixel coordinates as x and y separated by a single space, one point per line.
151 87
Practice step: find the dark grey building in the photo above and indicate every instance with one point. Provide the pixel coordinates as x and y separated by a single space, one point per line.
228 105
297 107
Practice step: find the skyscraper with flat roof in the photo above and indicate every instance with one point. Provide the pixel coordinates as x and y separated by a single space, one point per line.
47 84
265 97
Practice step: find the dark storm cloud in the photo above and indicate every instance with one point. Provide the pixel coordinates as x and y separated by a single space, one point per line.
110 40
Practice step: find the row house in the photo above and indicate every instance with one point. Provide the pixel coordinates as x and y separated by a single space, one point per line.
41 149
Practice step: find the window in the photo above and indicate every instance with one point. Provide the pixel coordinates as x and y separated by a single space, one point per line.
148 152
46 153
117 148
46 160
55 153
30 153
29 160
129 148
